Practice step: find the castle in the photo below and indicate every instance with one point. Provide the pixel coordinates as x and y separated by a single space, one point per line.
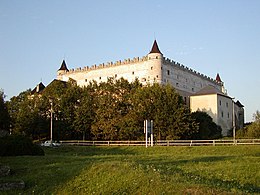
199 91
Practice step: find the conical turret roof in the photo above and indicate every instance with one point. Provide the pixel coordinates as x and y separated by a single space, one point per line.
155 48
218 78
63 66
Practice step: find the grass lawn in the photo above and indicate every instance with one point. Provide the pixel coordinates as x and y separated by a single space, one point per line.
138 170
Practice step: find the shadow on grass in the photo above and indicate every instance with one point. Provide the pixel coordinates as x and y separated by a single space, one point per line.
171 167
90 151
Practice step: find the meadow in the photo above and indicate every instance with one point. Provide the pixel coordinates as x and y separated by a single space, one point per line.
138 170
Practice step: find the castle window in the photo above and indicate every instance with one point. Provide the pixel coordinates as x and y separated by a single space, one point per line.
115 75
86 80
156 57
228 115
220 102
151 68
222 114
157 76
168 72
99 78
192 89
227 105
177 84
133 73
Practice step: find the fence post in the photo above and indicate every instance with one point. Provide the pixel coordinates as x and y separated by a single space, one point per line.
213 142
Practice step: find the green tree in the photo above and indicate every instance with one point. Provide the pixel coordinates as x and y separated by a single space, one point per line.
4 115
172 118
253 130
25 116
208 129
111 105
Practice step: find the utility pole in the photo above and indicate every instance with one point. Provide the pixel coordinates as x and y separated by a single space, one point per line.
234 120
51 117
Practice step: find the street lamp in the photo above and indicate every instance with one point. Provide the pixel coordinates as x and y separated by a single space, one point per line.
51 102
233 120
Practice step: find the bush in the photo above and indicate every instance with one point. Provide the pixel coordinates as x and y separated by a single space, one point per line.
18 146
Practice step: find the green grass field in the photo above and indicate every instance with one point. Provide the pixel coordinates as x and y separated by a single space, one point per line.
137 170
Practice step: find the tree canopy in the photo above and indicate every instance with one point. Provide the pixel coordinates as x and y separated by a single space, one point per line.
113 110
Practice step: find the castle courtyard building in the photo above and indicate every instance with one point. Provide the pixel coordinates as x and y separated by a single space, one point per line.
155 68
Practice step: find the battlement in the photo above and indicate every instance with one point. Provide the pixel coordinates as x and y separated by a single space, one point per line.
140 60
109 64
190 70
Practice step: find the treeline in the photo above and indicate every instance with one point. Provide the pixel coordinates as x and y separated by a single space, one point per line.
114 110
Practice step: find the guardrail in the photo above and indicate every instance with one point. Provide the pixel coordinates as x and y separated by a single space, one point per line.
164 142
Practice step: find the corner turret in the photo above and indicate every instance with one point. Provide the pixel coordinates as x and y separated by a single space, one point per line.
155 52
218 79
155 58
63 69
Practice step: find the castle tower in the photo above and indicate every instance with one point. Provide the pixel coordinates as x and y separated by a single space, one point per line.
155 58
218 79
63 69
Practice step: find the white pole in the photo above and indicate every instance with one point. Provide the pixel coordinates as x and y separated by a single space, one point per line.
51 120
234 121
146 133
152 133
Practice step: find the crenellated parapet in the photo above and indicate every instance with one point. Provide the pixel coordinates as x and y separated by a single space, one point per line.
109 64
190 70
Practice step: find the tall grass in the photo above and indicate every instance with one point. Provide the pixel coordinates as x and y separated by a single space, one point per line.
137 170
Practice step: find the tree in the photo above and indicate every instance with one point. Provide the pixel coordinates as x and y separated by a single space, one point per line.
84 115
253 130
161 103
4 115
25 115
111 104
207 128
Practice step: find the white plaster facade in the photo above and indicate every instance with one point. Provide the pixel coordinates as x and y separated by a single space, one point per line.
154 67
149 69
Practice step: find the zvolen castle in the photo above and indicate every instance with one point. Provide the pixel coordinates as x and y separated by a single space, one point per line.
199 91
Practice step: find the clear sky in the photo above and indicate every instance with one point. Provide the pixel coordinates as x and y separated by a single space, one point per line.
209 36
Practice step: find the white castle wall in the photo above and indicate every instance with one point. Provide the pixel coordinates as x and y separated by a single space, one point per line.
149 69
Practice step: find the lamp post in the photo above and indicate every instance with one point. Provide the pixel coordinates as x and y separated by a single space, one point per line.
51 102
233 120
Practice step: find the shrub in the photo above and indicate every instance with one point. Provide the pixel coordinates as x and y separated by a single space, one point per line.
18 145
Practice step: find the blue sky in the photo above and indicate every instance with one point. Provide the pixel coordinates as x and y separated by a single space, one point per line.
209 36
